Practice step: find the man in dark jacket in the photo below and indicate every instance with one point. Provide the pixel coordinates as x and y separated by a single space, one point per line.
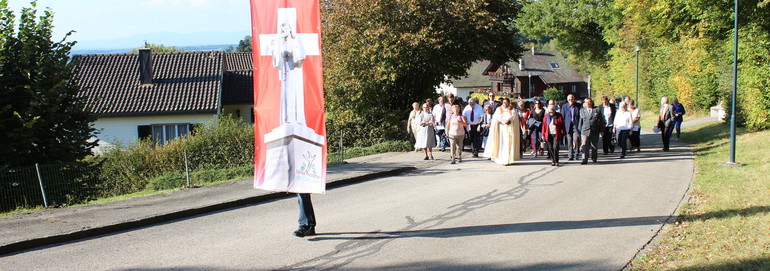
571 113
591 125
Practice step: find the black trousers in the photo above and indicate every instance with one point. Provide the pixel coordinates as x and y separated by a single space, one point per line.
665 133
553 148
622 141
475 139
607 145
635 139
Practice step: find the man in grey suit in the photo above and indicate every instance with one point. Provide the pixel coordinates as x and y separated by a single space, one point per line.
665 121
591 125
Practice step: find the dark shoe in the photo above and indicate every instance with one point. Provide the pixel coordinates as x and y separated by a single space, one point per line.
431 157
426 158
303 233
475 156
570 159
553 164
585 162
622 156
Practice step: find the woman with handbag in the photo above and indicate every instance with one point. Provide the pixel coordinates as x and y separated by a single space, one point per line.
553 131
534 121
486 122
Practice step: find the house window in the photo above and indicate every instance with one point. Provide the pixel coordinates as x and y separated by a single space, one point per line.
574 88
162 133
554 65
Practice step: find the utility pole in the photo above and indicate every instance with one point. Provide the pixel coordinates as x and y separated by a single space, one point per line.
735 90
636 48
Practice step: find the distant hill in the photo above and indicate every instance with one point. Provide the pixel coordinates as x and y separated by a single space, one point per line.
221 47
195 39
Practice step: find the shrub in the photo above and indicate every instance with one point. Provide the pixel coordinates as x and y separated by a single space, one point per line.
554 94
223 143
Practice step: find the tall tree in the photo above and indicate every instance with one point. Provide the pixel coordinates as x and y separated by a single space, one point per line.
382 55
244 45
581 27
41 117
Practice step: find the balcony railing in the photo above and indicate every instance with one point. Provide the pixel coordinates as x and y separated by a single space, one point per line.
501 77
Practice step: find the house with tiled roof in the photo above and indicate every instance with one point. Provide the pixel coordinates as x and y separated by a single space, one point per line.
476 80
535 72
530 76
162 95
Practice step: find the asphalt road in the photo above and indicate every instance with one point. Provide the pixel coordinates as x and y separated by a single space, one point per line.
473 215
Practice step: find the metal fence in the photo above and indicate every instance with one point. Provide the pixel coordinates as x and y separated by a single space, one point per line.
48 185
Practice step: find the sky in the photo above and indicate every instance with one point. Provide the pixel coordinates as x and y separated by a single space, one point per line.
114 19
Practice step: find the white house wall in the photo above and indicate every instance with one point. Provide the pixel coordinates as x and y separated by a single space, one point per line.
445 89
242 111
125 129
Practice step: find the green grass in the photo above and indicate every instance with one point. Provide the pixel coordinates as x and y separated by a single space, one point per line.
171 182
725 225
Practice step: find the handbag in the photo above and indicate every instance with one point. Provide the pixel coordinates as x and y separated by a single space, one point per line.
533 124
484 131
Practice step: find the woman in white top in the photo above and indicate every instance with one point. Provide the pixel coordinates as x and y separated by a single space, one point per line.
413 124
484 125
636 116
622 125
426 138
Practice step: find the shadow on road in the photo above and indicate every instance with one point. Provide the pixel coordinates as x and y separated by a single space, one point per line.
499 229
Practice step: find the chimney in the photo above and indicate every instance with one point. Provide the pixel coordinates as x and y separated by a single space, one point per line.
521 64
145 66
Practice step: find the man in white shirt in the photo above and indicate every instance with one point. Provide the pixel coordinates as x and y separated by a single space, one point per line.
440 112
473 113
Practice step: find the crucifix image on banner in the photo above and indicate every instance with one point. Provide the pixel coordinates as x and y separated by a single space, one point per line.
293 153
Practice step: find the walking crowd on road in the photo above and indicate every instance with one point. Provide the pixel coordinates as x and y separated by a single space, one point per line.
502 130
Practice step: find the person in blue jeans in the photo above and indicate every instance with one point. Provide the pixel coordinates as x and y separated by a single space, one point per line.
678 113
306 216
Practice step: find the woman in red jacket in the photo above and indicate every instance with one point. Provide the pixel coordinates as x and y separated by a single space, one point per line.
552 131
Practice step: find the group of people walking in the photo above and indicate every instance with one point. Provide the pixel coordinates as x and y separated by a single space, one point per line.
503 131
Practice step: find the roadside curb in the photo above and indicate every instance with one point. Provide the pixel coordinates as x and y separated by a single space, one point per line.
29 244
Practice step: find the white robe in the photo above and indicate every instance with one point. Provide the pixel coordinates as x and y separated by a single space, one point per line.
287 58
503 145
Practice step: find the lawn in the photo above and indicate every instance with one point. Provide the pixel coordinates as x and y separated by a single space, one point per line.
725 225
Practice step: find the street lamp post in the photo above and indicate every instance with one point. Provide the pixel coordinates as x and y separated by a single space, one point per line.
529 85
735 90
636 48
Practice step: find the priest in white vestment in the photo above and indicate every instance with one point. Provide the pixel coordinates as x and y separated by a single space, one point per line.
503 144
